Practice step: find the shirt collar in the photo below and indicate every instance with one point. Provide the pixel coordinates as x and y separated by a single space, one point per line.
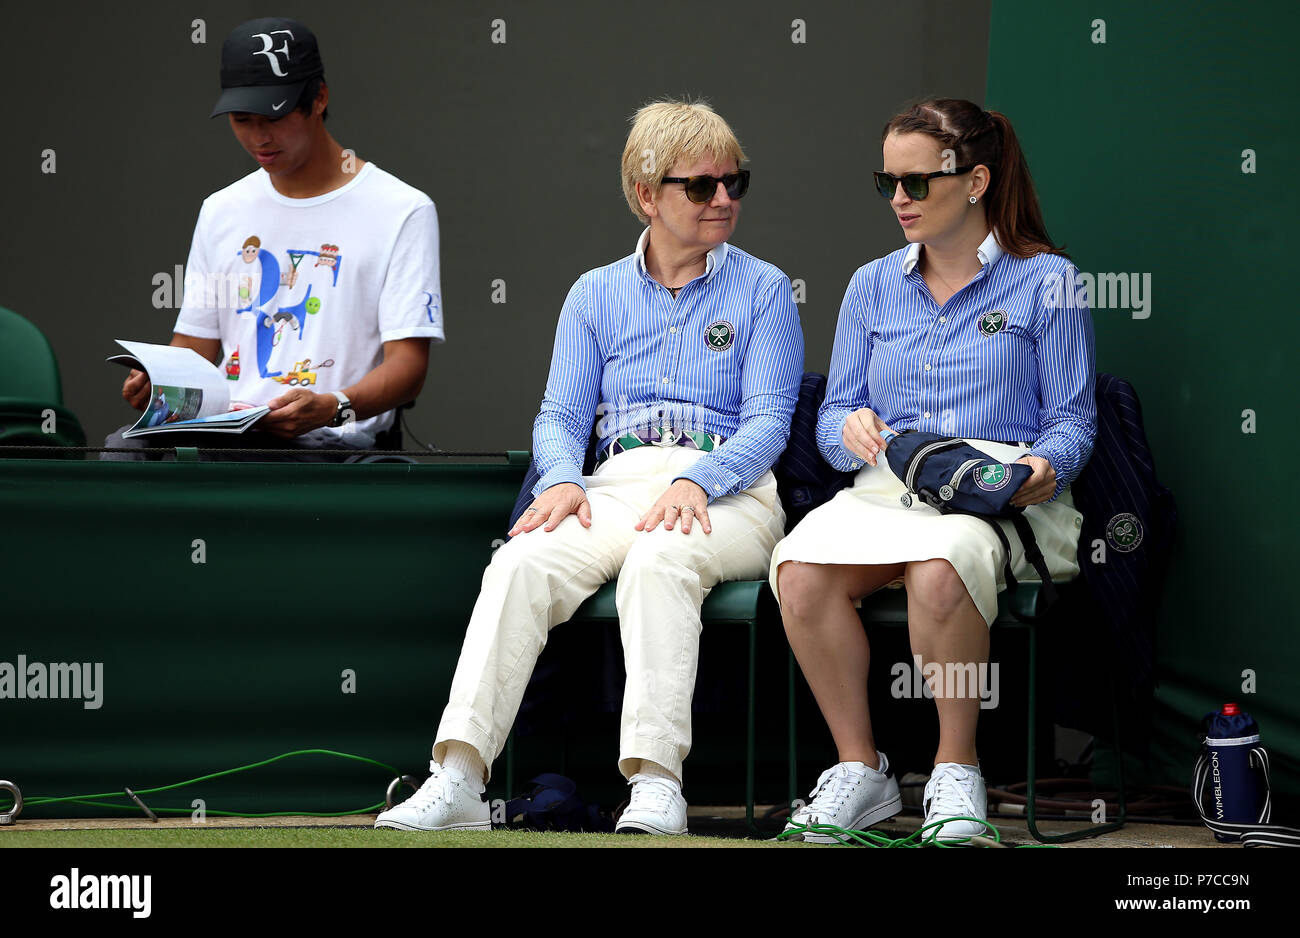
712 261
988 252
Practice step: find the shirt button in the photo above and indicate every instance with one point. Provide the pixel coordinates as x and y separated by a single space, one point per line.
856 465
673 329
943 319
717 488
927 366
665 379
927 415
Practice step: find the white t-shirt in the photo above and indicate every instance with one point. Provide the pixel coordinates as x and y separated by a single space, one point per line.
303 292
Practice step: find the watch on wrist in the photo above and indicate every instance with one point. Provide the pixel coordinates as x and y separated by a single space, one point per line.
344 411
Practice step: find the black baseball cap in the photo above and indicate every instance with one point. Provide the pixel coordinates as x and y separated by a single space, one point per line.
265 64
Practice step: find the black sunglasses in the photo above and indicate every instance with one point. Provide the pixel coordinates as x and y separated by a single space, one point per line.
916 185
702 188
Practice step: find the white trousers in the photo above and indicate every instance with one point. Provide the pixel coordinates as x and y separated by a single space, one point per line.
537 580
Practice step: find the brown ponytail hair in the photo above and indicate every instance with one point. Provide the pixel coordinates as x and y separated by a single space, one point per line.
977 136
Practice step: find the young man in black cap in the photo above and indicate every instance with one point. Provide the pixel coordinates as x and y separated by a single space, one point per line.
316 276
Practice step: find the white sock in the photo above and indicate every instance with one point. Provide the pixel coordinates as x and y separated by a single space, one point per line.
655 770
464 760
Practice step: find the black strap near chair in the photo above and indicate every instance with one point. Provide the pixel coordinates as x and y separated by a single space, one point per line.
390 439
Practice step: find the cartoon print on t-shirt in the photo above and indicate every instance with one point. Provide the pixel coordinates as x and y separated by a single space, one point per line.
249 254
267 290
303 374
290 278
232 365
329 255
284 319
270 323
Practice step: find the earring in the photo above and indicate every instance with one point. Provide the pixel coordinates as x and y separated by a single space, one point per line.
973 200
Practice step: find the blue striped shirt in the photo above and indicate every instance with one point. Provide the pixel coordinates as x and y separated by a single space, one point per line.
1006 358
724 357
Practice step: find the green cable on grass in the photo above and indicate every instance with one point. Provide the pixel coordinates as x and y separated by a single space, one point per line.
86 799
849 838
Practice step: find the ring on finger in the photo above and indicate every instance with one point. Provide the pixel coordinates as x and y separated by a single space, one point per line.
530 511
690 508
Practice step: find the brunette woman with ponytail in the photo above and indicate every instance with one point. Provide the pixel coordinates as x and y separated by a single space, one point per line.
971 330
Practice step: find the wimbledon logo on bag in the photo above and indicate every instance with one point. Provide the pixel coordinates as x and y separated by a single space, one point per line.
992 477
992 322
1124 532
720 335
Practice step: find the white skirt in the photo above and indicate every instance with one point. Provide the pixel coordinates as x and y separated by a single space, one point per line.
867 524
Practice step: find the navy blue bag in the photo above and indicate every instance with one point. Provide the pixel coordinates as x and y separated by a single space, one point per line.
555 805
953 477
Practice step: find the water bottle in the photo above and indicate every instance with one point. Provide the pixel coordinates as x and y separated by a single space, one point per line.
1233 785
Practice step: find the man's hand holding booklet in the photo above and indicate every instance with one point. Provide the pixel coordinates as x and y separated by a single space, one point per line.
186 393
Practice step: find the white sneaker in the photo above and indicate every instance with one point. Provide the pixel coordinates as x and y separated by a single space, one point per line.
955 791
444 802
656 807
849 795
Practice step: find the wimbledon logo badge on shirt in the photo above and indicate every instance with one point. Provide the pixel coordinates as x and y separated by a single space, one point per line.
720 335
993 322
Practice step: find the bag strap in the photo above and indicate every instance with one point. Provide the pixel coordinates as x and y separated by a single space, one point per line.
1260 834
1007 575
1035 556
1047 592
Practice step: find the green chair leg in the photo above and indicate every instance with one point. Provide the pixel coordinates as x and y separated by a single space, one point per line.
750 735
792 756
1032 793
510 765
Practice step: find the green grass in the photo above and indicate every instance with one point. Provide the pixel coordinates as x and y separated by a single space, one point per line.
350 837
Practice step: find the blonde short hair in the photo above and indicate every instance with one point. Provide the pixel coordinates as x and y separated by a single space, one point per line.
664 132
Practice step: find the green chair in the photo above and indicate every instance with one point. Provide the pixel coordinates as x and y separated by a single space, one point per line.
31 395
735 603
889 607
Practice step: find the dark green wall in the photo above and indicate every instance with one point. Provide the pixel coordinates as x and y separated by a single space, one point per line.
1136 147
307 570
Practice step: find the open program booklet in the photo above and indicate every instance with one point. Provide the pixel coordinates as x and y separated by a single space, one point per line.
188 393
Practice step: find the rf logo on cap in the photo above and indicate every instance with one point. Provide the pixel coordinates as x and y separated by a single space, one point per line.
271 53
266 65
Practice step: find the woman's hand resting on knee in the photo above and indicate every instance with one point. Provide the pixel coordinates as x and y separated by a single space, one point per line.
684 499
553 506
